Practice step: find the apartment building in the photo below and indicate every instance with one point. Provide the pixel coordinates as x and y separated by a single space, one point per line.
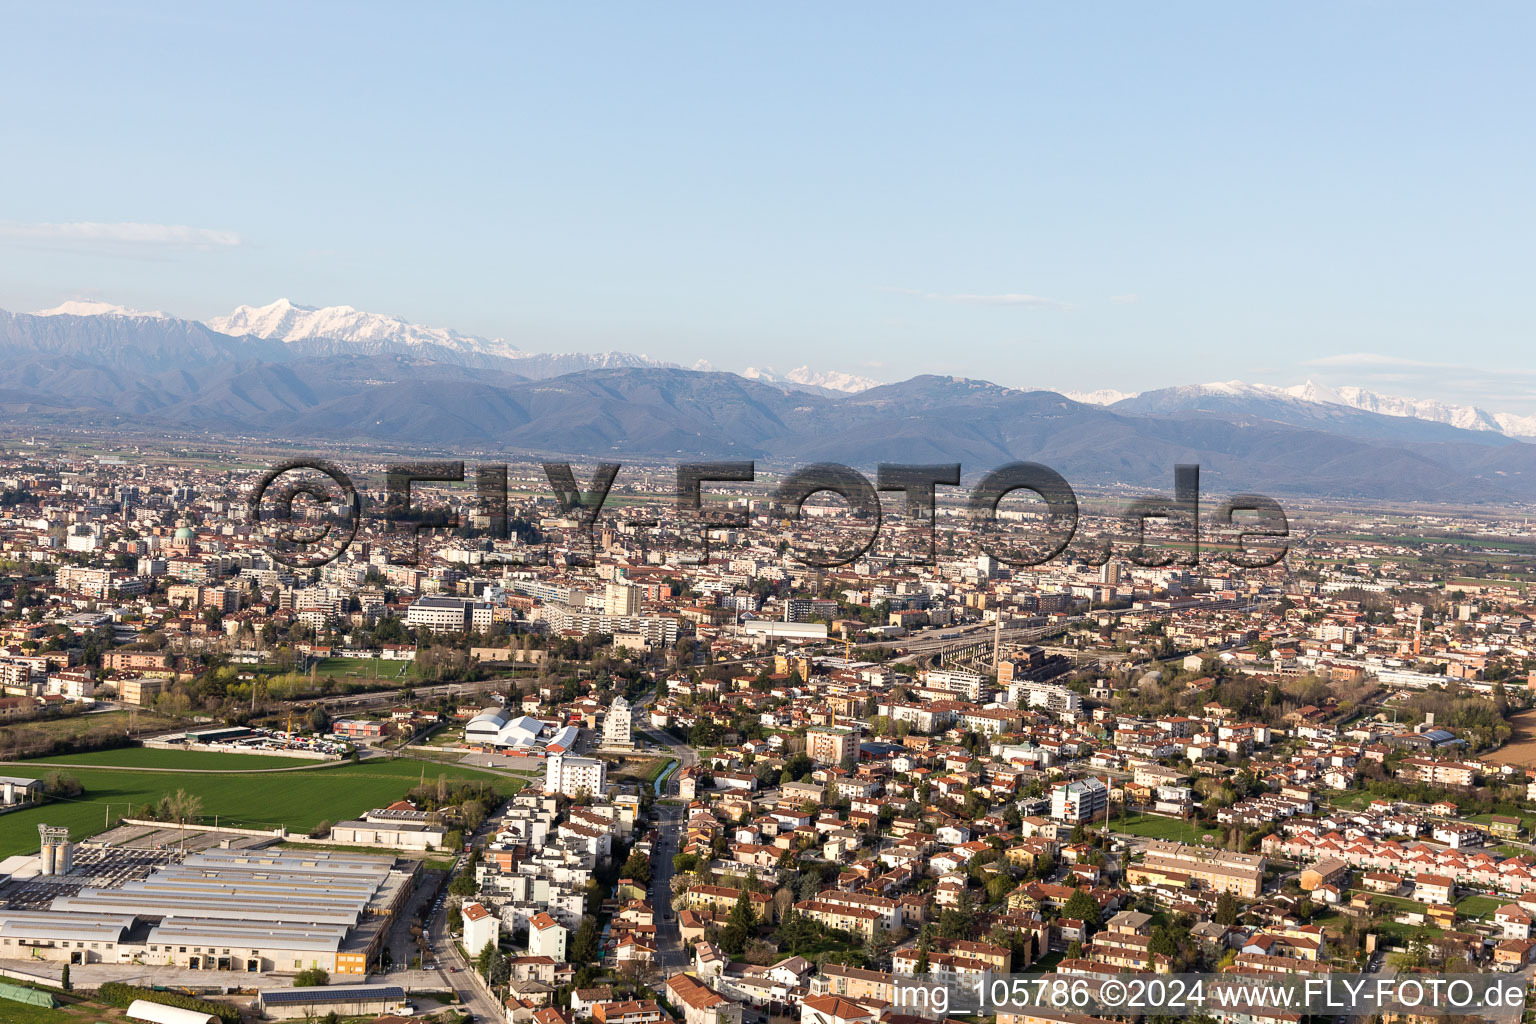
830 744
699 1004
569 776
1079 801
480 928
448 614
142 691
618 725
1177 865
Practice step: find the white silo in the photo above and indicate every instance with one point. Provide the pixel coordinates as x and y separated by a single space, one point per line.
55 859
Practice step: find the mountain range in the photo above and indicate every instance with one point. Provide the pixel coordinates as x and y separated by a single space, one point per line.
1235 395
336 374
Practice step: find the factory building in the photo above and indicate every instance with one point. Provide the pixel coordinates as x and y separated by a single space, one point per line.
14 791
228 910
403 828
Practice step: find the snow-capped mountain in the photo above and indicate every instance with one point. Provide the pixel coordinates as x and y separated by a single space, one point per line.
342 331
1103 396
373 333
95 307
1312 399
1468 417
830 380
304 331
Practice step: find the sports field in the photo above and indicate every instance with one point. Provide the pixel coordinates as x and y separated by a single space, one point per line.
365 668
298 800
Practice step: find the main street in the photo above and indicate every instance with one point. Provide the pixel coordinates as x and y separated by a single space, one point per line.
669 939
446 952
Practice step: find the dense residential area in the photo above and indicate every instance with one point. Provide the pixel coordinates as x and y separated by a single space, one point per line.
594 775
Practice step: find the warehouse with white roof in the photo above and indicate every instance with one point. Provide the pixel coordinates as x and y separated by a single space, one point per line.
234 910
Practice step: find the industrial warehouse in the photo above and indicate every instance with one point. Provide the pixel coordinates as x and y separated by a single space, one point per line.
242 910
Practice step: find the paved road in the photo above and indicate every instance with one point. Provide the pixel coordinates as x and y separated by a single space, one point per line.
446 952
670 954
686 755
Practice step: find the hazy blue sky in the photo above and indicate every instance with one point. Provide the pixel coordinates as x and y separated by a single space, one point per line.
1116 195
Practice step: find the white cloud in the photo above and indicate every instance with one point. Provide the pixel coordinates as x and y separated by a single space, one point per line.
126 233
1372 360
1125 300
1005 299
986 299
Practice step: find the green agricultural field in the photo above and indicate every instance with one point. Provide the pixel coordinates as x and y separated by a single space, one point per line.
297 800
1154 827
196 760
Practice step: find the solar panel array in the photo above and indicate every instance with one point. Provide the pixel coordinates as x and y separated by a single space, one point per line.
332 994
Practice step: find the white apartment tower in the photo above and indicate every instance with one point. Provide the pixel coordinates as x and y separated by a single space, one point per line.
572 776
1079 801
621 599
618 725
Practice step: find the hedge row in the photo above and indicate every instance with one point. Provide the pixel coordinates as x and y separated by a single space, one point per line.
115 993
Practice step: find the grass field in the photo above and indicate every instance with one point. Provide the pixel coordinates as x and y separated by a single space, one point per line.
1403 934
637 770
20 1013
1527 821
297 800
197 760
1045 963
1354 800
365 668
1155 827
1479 906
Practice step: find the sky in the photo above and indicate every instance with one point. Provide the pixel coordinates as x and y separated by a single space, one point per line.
1119 195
